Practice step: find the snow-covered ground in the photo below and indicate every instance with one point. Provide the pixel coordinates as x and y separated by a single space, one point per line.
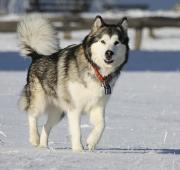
143 115
142 131
167 39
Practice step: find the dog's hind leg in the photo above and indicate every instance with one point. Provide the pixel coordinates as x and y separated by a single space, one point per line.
35 107
33 130
54 116
33 114
97 120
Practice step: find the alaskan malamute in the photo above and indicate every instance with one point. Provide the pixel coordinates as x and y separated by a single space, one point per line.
74 80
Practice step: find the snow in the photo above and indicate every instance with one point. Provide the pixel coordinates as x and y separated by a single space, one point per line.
8 42
142 117
167 39
10 17
134 13
142 130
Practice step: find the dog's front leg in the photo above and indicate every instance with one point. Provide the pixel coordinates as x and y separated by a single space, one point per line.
74 129
97 120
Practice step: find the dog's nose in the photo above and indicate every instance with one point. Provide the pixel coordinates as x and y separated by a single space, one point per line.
109 54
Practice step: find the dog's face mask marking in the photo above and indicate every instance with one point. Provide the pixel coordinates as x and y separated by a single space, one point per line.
109 45
108 51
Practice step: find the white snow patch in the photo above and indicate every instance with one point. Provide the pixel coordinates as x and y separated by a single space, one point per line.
3 134
165 136
85 126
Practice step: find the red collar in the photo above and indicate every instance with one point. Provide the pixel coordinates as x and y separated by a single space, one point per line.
99 76
103 79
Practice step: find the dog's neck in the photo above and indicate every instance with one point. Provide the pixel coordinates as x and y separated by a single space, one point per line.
106 71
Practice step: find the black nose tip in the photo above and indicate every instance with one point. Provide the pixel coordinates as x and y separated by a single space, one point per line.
109 54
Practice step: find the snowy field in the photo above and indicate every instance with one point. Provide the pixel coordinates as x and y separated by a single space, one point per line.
142 132
143 115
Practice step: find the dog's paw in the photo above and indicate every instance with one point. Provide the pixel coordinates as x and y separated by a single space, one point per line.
91 147
43 146
91 143
34 141
77 149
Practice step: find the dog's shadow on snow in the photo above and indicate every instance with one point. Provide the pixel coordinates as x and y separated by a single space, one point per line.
139 150
131 150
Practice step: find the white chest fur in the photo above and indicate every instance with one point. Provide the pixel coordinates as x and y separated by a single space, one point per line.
87 96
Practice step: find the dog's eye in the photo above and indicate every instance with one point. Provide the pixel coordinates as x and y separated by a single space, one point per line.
103 42
116 42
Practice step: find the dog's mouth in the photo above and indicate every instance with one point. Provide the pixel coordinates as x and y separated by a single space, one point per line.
108 61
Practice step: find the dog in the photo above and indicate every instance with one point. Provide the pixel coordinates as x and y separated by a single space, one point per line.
71 81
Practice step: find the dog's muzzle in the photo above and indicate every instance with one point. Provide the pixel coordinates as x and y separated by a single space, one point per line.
108 56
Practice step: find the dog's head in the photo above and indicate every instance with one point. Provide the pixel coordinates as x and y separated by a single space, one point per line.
107 44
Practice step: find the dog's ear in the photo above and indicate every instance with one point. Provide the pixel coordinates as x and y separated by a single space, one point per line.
124 24
98 23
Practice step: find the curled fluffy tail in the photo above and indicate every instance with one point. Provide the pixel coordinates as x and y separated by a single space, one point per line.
36 35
